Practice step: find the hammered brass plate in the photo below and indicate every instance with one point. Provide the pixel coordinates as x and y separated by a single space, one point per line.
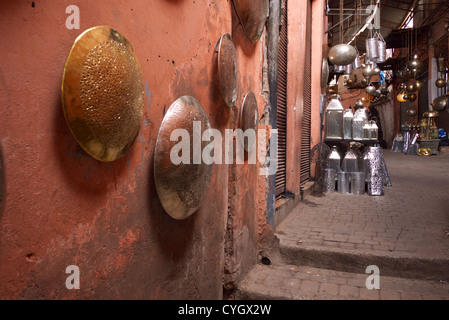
227 69
252 15
102 93
182 186
324 73
249 118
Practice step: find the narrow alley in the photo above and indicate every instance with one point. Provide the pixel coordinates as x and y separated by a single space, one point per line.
327 243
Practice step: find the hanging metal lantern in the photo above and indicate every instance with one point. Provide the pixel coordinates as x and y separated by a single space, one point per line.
440 103
372 51
441 82
410 87
382 50
358 104
342 54
441 64
368 71
418 85
370 89
412 96
415 63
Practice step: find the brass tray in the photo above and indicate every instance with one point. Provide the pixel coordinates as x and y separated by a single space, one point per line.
227 69
181 186
249 118
102 93
252 15
324 73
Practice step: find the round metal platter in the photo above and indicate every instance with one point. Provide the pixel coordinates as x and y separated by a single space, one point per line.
181 187
102 93
324 73
227 69
252 15
249 117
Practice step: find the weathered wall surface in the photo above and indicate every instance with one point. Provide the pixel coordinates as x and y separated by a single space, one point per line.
64 208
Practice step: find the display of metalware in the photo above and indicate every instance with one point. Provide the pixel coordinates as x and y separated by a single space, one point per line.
347 124
343 182
382 51
358 183
373 132
358 123
103 93
351 161
182 183
334 120
342 54
329 180
423 128
334 159
227 69
252 15
356 64
374 162
398 143
249 118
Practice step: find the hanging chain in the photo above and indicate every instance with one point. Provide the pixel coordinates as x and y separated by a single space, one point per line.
341 21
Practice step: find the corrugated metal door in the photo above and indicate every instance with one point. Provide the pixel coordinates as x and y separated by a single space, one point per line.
307 98
282 103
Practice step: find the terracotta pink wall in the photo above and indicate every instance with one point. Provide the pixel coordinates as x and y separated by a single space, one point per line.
64 208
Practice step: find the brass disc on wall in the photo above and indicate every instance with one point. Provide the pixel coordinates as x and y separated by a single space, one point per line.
249 118
227 69
324 73
102 93
252 15
182 185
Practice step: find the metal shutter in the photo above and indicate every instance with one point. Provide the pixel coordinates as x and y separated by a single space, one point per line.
282 103
307 100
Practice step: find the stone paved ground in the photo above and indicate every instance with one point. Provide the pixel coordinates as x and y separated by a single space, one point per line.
405 233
